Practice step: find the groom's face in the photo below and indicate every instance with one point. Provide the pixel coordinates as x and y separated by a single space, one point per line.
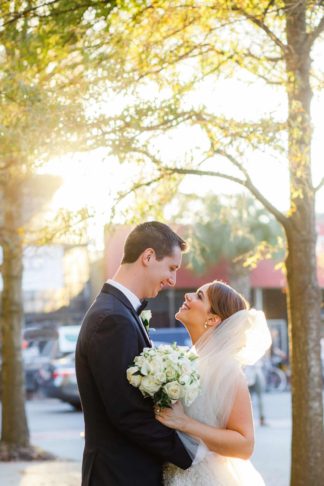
161 273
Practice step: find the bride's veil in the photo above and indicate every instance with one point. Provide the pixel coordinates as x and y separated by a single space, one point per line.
242 339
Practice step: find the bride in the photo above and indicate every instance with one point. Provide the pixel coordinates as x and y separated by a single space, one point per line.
226 336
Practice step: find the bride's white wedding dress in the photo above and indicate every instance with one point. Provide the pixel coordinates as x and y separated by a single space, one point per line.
240 340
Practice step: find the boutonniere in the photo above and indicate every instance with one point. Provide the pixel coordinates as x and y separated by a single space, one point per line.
146 316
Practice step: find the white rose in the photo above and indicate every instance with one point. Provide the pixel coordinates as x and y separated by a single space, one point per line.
139 360
135 380
173 356
164 349
161 377
186 368
131 371
171 374
190 395
145 368
150 385
173 390
184 379
170 370
146 315
156 365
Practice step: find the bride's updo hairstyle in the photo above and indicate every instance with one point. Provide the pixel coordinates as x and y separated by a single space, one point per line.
224 300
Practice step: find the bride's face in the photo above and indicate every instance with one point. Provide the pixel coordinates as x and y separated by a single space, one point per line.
195 311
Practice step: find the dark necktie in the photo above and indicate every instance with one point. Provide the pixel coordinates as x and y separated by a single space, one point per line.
142 307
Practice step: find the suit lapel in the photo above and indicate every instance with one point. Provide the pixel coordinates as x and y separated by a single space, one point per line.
110 289
142 328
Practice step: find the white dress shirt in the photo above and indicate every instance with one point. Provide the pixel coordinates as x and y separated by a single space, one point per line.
134 300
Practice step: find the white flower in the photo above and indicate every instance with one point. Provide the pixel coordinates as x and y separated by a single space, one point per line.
139 360
173 390
171 373
170 370
149 385
133 377
161 377
156 365
135 380
131 371
184 379
145 368
190 395
186 366
146 315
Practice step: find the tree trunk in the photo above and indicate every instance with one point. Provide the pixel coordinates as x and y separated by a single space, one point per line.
304 329
303 290
14 432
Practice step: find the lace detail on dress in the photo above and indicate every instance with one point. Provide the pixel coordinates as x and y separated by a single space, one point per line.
214 470
199 475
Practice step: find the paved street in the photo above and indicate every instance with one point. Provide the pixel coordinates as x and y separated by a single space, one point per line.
272 449
56 427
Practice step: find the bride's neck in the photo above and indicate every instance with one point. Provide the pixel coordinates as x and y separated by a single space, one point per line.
195 334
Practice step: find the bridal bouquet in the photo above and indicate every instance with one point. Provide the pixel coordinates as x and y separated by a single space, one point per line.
167 374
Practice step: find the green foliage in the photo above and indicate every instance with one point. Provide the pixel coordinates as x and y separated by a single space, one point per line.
145 200
47 72
232 228
163 55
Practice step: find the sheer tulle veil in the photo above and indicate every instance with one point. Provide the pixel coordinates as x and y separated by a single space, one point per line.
242 339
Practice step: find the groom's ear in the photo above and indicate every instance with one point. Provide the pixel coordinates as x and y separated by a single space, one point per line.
147 256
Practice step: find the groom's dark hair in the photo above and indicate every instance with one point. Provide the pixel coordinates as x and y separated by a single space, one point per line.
154 235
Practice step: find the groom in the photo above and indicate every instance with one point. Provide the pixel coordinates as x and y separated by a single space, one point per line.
124 444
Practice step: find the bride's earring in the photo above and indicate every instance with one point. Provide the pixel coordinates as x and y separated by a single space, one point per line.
206 325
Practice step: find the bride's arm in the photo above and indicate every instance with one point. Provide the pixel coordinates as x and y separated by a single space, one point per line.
237 440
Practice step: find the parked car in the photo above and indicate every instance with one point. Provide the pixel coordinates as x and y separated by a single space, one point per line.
170 335
41 347
58 380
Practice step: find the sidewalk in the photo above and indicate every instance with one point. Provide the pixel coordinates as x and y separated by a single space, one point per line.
48 473
271 456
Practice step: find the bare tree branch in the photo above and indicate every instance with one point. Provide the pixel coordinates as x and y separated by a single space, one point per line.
312 36
252 188
320 185
34 10
273 59
17 15
247 183
265 28
134 188
244 181
266 10
233 161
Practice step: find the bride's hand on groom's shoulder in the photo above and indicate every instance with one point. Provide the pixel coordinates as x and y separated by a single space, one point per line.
173 417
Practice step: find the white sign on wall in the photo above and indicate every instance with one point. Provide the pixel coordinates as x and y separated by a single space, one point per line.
43 268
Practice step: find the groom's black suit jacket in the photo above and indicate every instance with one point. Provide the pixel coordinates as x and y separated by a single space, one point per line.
124 444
